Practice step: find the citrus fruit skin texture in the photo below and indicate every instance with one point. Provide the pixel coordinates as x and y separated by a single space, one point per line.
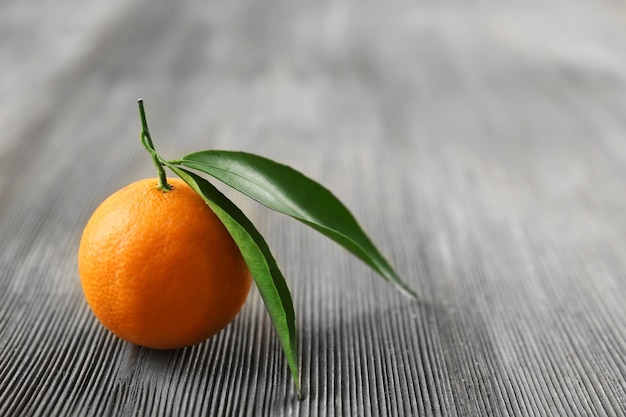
159 269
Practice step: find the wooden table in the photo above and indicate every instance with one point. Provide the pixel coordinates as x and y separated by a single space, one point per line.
482 145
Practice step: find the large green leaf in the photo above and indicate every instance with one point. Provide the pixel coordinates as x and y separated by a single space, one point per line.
267 276
288 191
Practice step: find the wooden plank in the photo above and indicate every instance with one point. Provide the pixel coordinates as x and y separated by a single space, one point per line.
481 145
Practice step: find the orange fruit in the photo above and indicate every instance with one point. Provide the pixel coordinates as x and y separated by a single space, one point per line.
159 269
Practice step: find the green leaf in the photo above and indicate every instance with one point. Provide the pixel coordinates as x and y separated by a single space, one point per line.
288 191
268 278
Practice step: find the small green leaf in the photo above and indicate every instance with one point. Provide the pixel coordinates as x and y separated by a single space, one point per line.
267 276
288 191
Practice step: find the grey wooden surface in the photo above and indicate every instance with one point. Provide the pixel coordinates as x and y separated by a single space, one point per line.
481 144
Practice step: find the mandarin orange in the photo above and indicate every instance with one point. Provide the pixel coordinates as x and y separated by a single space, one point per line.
159 269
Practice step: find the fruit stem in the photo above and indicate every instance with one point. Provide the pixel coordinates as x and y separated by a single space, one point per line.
146 139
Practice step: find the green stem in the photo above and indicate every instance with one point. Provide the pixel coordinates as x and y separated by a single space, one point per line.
146 139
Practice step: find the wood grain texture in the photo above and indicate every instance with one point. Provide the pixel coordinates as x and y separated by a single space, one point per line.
481 144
